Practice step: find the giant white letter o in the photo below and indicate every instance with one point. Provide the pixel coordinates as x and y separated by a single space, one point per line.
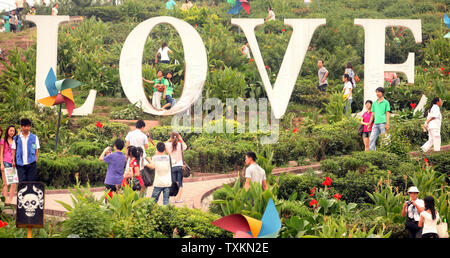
196 64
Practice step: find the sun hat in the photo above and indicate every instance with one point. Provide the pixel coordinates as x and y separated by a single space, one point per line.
413 189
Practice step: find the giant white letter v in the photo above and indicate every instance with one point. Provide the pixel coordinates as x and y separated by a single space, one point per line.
303 30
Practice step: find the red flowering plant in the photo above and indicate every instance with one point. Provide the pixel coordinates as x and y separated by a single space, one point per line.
413 105
326 201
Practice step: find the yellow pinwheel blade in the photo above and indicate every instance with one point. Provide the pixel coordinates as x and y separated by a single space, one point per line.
48 101
254 224
68 94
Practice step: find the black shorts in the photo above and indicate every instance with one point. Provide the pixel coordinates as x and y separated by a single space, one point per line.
113 188
366 134
322 87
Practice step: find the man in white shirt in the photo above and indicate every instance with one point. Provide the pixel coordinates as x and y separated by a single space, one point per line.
161 163
412 210
25 148
254 172
433 126
137 137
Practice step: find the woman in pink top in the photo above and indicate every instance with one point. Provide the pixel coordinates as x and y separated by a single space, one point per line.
6 160
368 123
173 148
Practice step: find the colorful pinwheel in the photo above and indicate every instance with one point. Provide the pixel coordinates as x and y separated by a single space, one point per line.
447 21
240 4
59 91
246 227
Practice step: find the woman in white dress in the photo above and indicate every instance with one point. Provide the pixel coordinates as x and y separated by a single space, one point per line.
433 126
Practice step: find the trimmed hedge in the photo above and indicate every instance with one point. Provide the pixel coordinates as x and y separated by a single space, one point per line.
59 172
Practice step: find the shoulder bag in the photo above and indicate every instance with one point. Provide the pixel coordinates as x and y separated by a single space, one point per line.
186 170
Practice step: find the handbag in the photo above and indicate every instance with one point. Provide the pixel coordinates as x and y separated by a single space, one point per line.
442 229
136 185
148 176
361 130
185 169
160 88
174 188
356 78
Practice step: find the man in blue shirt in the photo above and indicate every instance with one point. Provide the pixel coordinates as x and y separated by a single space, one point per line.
25 148
116 163
170 4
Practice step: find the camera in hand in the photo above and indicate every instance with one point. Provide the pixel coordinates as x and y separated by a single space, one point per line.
408 203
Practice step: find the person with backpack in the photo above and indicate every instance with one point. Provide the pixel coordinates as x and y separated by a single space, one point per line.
161 163
25 152
411 210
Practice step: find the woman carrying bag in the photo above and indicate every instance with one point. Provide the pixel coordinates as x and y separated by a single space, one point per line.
175 147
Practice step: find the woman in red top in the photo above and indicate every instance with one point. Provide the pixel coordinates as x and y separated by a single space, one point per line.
134 167
367 121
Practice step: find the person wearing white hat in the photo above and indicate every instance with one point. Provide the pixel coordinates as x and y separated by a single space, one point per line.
412 209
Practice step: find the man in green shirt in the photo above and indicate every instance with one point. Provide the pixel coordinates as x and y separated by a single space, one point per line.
380 117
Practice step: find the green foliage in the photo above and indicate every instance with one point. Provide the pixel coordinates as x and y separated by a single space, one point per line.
251 203
86 148
87 220
131 112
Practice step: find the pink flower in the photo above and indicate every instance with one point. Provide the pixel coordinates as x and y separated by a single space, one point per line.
425 69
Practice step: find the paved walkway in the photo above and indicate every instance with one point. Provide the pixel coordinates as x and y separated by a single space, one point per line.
195 189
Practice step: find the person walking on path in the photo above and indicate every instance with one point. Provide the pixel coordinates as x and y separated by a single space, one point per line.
349 70
367 121
137 137
6 160
323 74
429 218
25 152
380 115
174 147
433 126
412 209
168 92
160 162
116 162
254 172
163 51
13 21
347 90
55 10
270 14
245 50
158 89
170 4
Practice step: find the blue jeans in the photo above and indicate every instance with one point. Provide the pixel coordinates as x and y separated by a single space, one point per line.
177 175
171 100
157 191
377 129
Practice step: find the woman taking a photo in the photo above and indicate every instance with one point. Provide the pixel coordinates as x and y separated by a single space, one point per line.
174 148
6 160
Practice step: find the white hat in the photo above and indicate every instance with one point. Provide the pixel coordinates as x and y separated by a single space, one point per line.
413 189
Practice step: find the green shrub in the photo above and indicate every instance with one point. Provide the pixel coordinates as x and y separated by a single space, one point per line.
289 209
86 148
87 220
440 161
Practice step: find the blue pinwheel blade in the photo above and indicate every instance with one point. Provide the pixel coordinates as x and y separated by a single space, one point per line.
236 9
50 83
447 20
271 223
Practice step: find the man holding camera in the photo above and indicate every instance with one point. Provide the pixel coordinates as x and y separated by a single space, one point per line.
412 210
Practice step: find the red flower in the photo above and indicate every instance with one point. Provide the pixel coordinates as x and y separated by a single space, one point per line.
3 224
251 60
295 130
327 181
442 68
312 202
283 30
99 125
312 191
267 67
337 196
196 25
425 69
426 160
413 105
72 27
124 182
